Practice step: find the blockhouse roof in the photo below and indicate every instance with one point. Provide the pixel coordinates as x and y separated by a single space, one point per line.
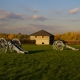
42 33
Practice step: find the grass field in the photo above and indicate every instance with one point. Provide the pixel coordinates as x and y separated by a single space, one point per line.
41 63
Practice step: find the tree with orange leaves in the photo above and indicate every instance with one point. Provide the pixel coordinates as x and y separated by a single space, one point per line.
57 37
11 36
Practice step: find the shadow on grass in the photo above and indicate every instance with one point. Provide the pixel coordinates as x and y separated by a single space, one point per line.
36 51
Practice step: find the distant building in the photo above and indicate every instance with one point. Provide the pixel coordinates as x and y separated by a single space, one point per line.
42 37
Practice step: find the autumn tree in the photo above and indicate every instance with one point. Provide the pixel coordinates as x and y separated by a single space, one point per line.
19 35
3 35
77 35
71 36
57 37
11 36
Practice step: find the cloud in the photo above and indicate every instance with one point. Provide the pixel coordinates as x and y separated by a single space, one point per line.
30 9
36 18
34 10
74 11
13 29
30 28
52 29
4 15
43 26
40 18
3 24
74 20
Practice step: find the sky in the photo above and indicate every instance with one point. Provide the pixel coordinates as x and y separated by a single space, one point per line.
29 16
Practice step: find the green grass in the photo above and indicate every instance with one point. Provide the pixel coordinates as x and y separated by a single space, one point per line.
42 63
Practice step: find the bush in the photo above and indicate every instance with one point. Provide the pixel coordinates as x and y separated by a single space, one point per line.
72 42
25 41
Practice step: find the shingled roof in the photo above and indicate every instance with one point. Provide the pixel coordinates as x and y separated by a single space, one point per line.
41 33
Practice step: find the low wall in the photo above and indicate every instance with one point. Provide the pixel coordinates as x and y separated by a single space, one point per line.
72 42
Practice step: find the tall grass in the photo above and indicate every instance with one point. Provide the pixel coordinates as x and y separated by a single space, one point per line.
42 63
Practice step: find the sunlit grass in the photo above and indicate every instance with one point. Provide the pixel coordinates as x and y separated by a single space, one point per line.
42 63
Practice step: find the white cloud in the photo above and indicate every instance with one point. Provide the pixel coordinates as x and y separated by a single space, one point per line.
40 18
4 15
74 11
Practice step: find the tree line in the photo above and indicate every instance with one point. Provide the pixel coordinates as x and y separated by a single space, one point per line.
68 36
24 38
11 36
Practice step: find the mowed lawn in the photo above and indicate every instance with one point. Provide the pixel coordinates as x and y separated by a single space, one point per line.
41 63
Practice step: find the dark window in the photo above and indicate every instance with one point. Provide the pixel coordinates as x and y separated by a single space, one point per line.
42 42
